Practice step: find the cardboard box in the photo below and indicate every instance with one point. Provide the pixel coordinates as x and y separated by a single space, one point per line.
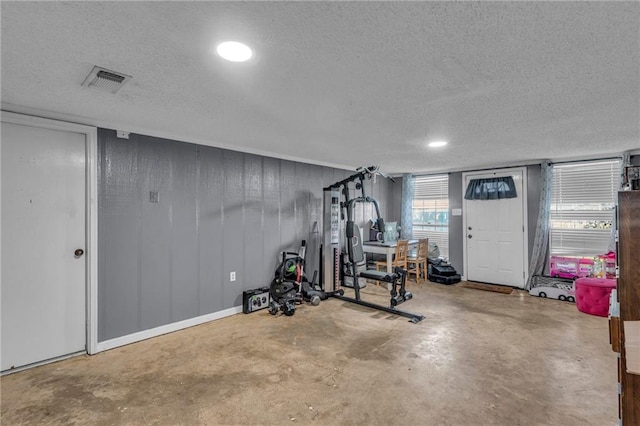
632 346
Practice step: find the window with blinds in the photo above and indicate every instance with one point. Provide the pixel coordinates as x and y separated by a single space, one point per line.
431 211
582 207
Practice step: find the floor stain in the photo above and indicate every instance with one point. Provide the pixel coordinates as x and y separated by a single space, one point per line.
476 359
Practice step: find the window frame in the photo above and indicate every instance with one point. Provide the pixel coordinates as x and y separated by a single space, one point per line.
432 197
582 209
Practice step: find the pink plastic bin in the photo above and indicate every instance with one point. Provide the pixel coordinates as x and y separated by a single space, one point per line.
570 267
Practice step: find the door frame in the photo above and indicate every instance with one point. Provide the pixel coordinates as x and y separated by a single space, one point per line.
91 211
525 218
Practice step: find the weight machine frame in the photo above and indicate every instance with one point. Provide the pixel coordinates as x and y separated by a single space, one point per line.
333 238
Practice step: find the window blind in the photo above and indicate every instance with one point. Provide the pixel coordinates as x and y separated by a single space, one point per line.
582 207
432 187
431 211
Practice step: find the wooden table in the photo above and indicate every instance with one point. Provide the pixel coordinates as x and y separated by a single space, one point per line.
388 249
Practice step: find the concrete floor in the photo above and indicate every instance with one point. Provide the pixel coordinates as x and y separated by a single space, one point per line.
478 358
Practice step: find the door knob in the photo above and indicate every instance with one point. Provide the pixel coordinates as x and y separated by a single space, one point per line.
469 236
78 252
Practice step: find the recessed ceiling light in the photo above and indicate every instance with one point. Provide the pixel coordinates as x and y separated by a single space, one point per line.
437 144
234 51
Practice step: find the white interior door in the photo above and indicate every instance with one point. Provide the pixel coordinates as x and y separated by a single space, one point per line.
43 286
495 235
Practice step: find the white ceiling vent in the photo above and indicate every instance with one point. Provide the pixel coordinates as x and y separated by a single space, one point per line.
104 79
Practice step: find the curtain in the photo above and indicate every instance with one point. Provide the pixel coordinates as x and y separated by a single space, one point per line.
406 210
540 251
491 189
625 161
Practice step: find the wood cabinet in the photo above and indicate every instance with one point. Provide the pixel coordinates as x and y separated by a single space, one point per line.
629 299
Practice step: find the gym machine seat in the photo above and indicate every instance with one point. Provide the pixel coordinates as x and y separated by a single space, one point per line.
396 280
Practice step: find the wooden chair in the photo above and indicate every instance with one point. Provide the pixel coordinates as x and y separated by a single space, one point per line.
399 258
417 265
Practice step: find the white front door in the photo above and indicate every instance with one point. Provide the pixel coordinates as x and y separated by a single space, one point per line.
43 290
495 234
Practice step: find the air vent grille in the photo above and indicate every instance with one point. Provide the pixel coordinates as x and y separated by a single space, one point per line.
110 76
104 79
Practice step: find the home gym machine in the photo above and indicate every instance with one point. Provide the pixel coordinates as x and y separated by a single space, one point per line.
341 231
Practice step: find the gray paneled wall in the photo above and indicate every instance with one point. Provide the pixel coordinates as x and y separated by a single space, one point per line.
456 231
217 211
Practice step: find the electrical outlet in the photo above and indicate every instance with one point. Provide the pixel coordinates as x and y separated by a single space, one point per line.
232 276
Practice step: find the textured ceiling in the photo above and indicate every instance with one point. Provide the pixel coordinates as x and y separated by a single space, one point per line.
342 83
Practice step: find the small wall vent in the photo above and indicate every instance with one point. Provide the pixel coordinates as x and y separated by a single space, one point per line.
104 79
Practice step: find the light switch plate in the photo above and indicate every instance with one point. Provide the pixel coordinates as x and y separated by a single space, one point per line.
122 135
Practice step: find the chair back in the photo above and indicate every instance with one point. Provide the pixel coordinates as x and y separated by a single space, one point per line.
423 249
402 251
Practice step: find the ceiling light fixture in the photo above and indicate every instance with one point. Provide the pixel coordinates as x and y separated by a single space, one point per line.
234 51
437 144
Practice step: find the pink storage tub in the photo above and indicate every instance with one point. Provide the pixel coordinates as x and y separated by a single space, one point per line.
592 295
570 267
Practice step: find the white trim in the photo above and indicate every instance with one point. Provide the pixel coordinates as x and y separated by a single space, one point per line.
92 241
160 134
164 329
525 223
525 215
91 185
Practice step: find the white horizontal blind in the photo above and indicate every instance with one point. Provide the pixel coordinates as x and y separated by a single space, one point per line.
582 201
431 210
432 187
